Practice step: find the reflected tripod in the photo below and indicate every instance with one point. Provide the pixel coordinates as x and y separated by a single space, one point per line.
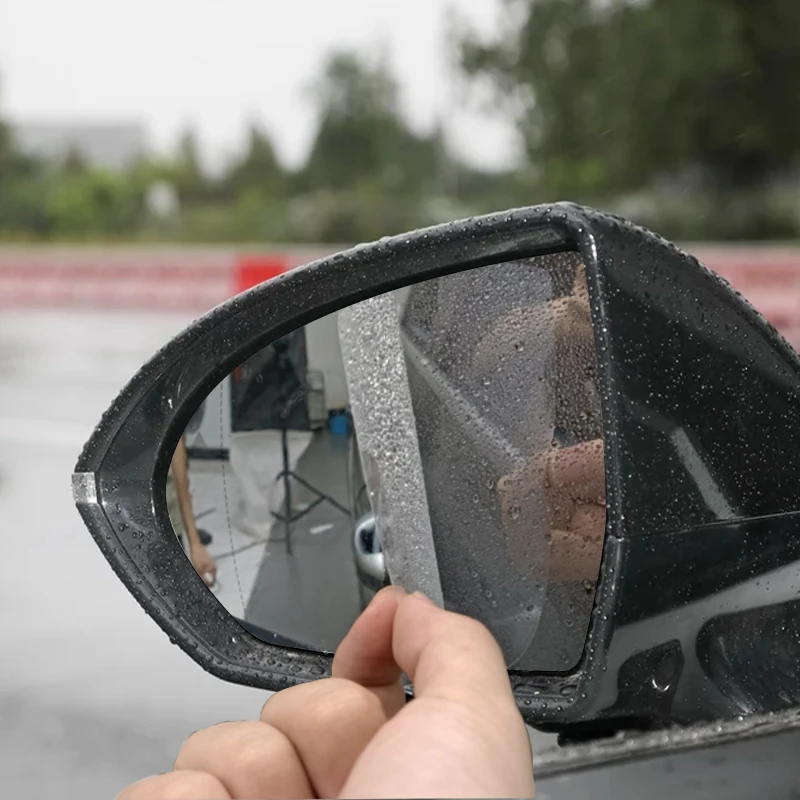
286 371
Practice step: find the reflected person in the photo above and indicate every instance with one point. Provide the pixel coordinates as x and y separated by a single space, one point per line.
570 474
181 514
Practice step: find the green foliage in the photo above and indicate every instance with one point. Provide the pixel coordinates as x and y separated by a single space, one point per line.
362 138
367 175
6 150
258 173
679 113
92 201
618 93
186 171
23 192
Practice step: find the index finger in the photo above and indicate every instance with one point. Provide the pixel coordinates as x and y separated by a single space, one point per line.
579 470
365 654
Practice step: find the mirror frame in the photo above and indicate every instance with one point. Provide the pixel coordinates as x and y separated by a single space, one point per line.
120 477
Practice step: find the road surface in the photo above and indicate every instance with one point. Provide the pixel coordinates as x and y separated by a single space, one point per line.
92 694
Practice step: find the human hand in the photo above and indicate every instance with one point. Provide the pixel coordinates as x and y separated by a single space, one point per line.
353 735
568 486
204 563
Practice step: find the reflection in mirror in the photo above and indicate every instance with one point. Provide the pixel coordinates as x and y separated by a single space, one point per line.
504 395
268 494
266 516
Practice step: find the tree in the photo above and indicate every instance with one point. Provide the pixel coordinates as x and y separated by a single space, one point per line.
357 123
187 171
74 163
617 93
258 171
6 150
362 135
94 202
23 189
368 173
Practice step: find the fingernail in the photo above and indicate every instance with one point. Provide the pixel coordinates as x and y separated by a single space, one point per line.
424 597
398 591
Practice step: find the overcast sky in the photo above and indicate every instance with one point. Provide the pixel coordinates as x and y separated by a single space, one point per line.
216 64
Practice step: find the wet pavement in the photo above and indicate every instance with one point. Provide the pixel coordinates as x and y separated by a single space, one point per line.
92 694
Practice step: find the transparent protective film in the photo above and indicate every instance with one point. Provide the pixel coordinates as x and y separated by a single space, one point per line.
381 403
501 372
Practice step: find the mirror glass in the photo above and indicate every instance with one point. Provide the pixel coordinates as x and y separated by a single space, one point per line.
445 436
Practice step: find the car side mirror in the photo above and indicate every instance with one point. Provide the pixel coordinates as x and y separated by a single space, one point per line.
568 428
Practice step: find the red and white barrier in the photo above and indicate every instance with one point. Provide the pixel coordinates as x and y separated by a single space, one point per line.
196 279
129 278
108 279
768 276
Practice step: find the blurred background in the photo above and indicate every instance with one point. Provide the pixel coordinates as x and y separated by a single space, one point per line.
156 158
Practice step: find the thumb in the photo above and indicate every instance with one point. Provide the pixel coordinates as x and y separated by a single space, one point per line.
450 656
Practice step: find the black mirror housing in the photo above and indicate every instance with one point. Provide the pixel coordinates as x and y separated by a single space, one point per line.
701 405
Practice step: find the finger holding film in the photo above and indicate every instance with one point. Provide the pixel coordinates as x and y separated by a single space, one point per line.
330 722
462 735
